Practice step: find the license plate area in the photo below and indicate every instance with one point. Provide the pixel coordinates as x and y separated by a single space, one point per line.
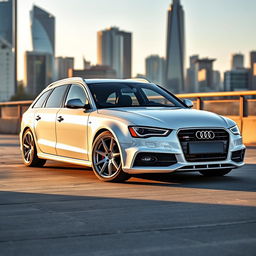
206 147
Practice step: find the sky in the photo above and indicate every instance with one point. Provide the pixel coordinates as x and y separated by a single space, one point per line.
214 28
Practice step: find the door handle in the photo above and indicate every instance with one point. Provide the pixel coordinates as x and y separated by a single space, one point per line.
38 118
60 119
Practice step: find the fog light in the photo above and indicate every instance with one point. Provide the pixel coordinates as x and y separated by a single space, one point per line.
148 159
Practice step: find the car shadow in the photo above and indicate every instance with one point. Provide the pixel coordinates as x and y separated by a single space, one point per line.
237 180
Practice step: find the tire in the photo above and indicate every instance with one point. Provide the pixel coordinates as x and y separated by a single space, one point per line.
215 173
106 159
29 152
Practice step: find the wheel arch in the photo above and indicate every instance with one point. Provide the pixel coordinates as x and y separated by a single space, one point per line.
101 130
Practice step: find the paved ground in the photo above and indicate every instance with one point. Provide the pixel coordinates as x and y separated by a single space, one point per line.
64 210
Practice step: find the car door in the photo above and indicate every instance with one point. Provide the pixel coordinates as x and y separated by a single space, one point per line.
71 126
45 120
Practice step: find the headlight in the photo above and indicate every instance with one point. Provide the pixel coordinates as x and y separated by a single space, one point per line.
145 132
235 130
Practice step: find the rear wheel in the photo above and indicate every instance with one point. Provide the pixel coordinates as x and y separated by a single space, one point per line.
29 152
215 173
106 159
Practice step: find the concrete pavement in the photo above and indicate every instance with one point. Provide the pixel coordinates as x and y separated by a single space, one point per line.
63 209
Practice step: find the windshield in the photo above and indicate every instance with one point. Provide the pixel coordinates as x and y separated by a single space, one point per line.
114 94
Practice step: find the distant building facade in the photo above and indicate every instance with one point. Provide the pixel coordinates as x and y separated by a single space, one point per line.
237 61
175 50
7 60
6 21
252 85
236 80
97 71
155 69
205 75
192 75
38 71
63 64
43 31
115 51
7 88
40 63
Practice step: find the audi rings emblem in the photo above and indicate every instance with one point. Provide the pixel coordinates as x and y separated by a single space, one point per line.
205 135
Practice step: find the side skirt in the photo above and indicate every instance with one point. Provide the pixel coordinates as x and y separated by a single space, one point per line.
64 159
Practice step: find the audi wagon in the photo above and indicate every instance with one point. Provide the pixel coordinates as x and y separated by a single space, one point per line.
126 127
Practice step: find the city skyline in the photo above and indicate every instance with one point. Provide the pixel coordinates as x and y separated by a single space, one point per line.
199 25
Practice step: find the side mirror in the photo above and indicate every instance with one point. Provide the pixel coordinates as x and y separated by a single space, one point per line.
76 103
188 103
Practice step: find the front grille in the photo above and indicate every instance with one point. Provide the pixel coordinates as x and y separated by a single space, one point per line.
189 135
161 159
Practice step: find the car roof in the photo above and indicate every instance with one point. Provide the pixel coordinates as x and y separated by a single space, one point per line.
97 81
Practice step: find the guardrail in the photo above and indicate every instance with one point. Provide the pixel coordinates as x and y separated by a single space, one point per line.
239 106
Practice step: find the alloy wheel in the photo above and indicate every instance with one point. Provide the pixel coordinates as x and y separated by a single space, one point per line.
106 157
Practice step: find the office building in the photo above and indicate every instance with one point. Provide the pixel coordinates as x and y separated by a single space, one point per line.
237 61
236 80
7 88
7 50
63 64
98 71
175 50
252 70
192 75
6 21
43 31
155 69
115 51
38 71
205 75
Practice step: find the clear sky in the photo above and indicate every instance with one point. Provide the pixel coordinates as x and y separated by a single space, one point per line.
214 28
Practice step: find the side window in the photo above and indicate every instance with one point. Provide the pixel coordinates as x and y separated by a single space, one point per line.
56 97
77 92
39 103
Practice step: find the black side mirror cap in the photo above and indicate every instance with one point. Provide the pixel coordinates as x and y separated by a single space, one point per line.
76 104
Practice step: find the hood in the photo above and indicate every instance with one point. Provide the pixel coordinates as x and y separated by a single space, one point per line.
174 118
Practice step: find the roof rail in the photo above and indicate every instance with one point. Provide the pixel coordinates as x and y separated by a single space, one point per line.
143 80
68 80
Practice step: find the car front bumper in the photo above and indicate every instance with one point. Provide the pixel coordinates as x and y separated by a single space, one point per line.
171 145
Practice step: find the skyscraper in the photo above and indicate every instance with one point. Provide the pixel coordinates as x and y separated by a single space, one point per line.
38 71
192 78
7 47
43 31
7 88
205 74
6 21
155 69
115 51
175 50
253 70
39 63
236 80
237 61
63 64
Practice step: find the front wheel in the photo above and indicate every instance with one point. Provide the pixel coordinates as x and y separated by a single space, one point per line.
106 159
29 152
215 173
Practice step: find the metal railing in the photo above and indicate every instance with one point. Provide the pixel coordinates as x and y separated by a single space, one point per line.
240 106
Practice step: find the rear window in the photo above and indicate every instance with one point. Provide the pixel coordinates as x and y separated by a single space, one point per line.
39 103
56 98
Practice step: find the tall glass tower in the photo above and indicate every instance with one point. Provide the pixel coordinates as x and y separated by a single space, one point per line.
175 50
43 31
6 21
